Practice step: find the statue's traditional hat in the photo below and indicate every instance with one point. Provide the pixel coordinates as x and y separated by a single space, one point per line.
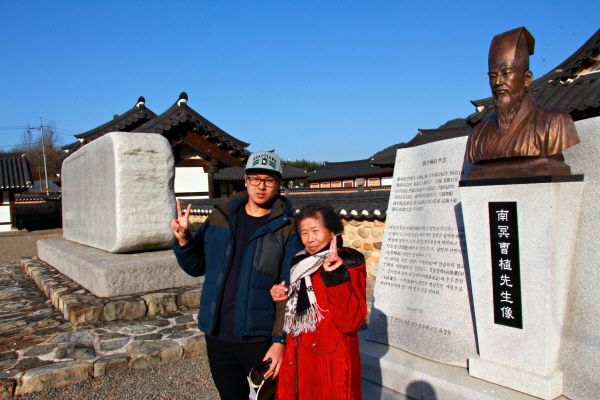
511 48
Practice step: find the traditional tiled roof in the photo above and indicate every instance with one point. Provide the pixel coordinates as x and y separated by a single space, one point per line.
574 86
348 169
584 60
387 156
389 149
14 172
433 135
386 159
367 205
181 113
39 186
423 137
126 122
237 173
38 197
295 173
230 174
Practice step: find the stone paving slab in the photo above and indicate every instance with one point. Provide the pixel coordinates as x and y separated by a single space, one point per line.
42 347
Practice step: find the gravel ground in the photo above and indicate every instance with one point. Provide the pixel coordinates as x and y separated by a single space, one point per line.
186 379
14 245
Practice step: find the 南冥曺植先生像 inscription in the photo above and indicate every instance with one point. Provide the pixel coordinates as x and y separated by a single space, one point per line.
506 265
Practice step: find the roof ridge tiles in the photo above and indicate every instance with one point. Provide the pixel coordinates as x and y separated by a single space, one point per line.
581 54
345 162
441 130
192 116
119 121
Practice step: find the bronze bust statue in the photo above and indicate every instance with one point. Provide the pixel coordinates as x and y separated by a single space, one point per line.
523 138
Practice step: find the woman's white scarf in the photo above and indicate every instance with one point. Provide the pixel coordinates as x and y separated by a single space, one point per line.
306 320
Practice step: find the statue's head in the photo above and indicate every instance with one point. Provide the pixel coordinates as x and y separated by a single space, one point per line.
508 64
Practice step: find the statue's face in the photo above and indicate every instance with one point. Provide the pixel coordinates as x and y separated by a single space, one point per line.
506 81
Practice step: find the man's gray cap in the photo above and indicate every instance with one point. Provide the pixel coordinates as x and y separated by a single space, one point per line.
262 161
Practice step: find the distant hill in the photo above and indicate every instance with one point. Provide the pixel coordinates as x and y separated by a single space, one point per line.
454 123
388 149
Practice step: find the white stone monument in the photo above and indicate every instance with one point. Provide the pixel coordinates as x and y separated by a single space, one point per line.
557 351
117 204
118 193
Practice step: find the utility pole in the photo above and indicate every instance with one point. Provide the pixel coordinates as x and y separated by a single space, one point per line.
44 154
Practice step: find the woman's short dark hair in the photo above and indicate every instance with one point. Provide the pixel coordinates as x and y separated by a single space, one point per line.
325 213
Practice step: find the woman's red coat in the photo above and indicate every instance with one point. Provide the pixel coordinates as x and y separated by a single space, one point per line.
325 364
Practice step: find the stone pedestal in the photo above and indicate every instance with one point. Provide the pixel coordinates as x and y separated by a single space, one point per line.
525 359
109 275
391 373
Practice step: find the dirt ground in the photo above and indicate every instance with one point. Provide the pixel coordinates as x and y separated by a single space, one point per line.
14 245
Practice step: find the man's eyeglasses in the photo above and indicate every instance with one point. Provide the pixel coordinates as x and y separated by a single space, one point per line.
256 181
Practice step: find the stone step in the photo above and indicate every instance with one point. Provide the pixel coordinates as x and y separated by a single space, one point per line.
80 307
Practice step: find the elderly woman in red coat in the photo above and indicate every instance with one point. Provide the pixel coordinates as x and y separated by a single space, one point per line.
325 307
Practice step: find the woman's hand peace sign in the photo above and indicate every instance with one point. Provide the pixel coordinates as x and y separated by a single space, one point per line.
333 260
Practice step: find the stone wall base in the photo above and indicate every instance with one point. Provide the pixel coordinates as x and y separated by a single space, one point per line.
389 370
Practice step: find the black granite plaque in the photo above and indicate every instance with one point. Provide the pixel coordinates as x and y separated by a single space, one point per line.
506 274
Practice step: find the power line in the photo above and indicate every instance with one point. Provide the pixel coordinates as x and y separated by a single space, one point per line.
24 145
16 128
60 129
13 145
12 128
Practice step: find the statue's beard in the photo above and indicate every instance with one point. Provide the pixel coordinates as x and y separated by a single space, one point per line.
507 108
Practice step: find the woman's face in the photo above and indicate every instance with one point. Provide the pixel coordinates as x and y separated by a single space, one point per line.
314 235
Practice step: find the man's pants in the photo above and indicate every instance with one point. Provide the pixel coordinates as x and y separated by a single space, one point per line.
230 363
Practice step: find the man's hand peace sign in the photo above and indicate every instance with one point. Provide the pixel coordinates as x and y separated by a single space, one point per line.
181 224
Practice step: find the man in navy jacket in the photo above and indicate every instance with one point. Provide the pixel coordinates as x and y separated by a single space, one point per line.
243 249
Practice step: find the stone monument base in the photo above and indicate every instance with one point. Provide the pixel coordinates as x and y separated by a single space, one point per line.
107 274
389 369
520 349
545 387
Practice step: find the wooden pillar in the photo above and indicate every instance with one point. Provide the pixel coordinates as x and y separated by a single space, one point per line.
212 169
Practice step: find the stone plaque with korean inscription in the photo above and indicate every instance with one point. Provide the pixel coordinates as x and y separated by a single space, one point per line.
421 300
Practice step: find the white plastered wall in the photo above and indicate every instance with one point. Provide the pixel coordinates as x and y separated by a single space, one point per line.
5 215
191 180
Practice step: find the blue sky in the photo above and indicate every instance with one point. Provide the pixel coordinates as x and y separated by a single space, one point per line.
320 80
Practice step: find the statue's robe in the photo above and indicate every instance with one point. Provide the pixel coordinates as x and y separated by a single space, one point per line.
536 131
